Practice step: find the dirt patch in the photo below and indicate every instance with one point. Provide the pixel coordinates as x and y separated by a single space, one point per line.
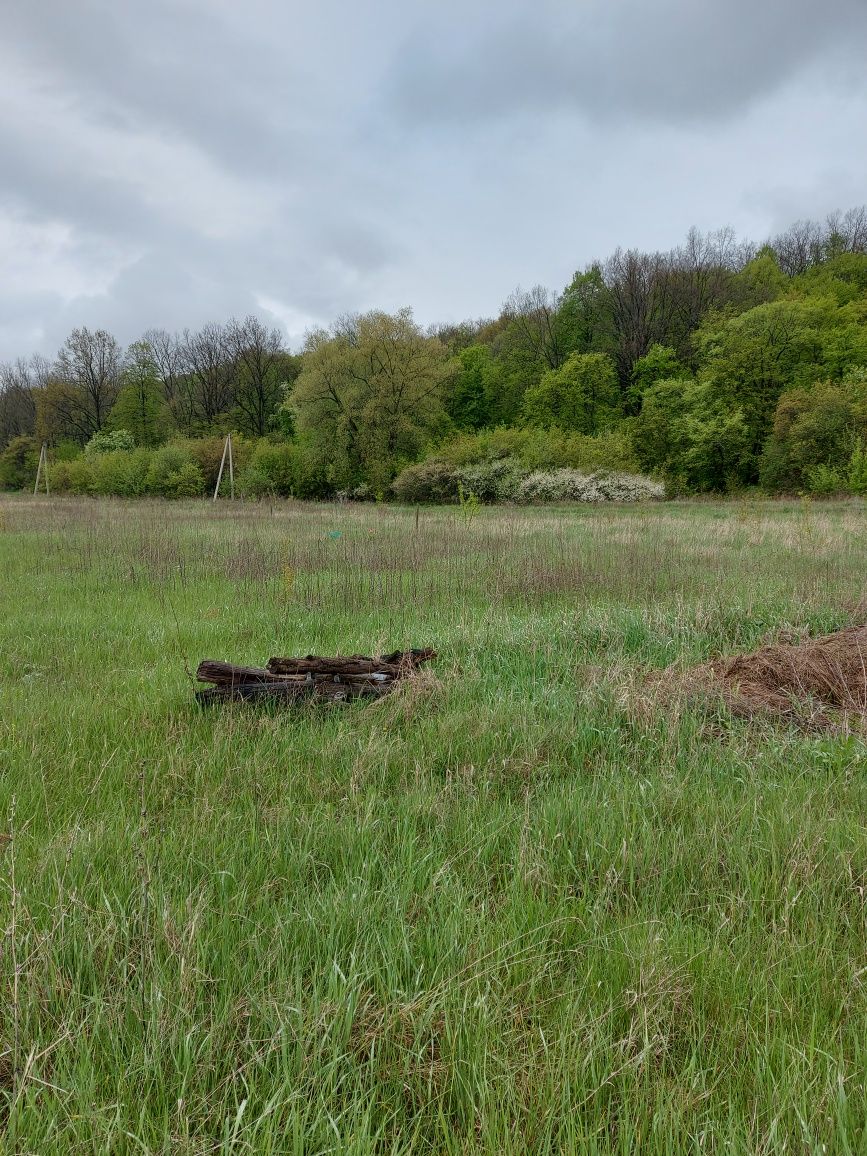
819 683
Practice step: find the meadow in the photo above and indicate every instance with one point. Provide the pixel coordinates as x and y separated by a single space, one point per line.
525 904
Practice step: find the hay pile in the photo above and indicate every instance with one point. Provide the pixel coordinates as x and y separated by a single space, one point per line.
818 683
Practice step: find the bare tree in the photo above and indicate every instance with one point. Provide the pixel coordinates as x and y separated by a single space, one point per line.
84 384
808 243
168 358
846 232
260 370
641 292
799 247
20 383
208 361
534 314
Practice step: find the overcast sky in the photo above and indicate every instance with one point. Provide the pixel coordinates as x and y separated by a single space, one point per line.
170 162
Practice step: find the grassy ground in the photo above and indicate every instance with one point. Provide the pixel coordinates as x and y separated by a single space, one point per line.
522 908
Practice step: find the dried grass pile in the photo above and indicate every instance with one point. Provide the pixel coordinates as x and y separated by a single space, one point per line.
818 683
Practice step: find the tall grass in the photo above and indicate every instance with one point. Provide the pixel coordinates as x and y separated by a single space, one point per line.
518 908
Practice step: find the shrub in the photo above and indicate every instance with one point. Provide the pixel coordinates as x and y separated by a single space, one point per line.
255 483
121 472
362 493
187 482
430 481
534 448
165 465
285 468
492 481
207 453
73 477
565 485
824 479
104 442
856 472
18 463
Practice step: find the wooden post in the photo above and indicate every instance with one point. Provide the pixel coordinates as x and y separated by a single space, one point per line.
42 470
220 473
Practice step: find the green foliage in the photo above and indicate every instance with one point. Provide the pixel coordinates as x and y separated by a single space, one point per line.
814 427
106 442
173 473
495 480
686 434
540 449
471 398
284 469
856 470
581 395
18 463
122 473
751 359
75 475
141 407
586 321
370 396
660 363
761 280
824 481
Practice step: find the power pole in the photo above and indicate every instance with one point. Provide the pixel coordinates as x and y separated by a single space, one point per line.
227 452
42 470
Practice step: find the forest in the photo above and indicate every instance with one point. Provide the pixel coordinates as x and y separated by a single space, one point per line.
715 367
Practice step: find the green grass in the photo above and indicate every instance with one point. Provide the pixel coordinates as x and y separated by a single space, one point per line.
522 908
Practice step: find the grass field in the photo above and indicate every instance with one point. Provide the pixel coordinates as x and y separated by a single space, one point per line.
521 906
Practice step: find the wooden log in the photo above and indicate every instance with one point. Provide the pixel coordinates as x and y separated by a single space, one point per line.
295 680
227 674
396 664
291 692
251 691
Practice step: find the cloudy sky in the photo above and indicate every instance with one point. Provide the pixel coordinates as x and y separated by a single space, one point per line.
170 162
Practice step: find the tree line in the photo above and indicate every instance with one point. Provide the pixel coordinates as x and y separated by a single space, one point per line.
715 365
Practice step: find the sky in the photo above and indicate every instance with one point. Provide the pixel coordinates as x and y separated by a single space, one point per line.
165 163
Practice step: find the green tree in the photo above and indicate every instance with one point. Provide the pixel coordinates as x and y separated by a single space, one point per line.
660 363
582 394
750 359
585 315
141 407
818 426
761 280
688 435
371 395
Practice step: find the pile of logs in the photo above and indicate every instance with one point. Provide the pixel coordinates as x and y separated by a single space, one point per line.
294 680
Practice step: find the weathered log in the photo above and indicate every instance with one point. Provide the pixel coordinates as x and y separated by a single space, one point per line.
310 678
291 692
396 664
226 673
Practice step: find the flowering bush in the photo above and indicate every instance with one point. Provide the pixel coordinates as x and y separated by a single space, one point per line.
105 442
567 485
492 481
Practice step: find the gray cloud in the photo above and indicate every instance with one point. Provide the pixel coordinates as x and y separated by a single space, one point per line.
177 161
675 61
